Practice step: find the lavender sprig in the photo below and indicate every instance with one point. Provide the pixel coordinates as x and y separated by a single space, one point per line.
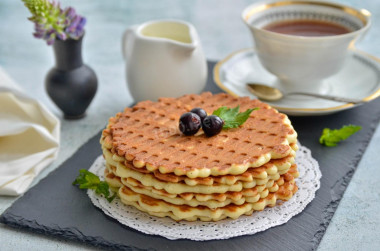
51 22
75 23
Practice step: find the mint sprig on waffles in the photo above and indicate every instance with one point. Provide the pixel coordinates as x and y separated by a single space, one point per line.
88 180
331 137
232 117
222 118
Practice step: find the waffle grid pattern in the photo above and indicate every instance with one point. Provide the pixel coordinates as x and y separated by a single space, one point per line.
147 135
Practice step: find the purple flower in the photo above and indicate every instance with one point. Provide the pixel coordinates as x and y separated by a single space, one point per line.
50 37
70 13
75 29
51 22
62 36
81 23
39 28
38 35
73 24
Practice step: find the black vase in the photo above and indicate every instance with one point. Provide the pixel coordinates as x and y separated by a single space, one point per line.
71 84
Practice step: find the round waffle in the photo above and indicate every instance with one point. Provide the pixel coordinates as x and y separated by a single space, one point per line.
162 208
180 188
271 168
251 195
147 135
246 194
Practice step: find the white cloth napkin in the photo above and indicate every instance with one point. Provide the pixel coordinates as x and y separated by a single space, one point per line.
29 137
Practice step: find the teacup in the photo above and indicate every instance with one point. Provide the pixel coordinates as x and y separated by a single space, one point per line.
301 63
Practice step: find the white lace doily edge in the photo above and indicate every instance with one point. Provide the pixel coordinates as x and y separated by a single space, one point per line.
156 226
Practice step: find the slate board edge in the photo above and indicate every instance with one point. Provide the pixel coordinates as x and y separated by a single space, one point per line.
341 185
21 223
18 222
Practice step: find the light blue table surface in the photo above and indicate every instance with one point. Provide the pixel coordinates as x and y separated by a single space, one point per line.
355 225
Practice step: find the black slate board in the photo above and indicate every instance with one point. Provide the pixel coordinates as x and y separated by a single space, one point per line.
55 207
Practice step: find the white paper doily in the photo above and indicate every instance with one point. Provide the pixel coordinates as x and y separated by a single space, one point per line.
308 183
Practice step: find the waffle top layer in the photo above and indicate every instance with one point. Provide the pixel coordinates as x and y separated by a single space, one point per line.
147 135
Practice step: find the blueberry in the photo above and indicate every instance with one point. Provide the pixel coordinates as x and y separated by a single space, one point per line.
189 123
200 112
212 125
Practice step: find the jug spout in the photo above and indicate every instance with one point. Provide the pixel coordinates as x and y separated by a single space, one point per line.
185 48
178 34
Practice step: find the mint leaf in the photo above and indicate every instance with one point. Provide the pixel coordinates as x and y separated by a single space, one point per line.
110 199
81 179
103 188
232 117
88 180
333 137
91 181
220 111
243 116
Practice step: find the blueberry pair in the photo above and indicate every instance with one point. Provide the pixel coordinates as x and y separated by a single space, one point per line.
191 122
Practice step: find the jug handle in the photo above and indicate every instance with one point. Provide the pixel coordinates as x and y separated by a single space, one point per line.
124 44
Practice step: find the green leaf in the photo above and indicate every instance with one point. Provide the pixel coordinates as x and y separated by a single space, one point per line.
333 137
103 188
232 117
110 199
80 179
243 116
88 180
220 111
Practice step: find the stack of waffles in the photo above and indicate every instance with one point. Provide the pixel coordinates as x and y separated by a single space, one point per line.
160 171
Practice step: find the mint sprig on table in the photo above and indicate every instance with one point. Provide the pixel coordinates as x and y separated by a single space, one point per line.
331 137
88 180
232 117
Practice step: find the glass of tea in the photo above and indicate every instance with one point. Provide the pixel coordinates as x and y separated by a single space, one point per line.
304 42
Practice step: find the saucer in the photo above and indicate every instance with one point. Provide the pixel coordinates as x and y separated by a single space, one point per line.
359 78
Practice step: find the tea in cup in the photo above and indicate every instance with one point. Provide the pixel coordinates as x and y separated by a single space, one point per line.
304 42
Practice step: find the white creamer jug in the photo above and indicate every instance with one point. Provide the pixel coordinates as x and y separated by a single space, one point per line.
164 59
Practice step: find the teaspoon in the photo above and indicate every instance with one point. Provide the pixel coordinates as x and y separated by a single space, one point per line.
268 93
